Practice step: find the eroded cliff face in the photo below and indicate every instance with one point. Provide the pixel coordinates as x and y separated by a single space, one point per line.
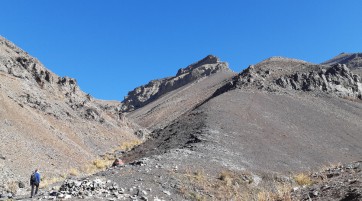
48 122
145 94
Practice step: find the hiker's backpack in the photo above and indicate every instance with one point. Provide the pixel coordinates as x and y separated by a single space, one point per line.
33 178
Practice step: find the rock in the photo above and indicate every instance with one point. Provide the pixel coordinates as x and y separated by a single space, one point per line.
144 198
117 162
21 184
157 199
9 195
166 192
53 193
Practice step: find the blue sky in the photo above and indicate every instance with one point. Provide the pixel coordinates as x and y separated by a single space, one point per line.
113 46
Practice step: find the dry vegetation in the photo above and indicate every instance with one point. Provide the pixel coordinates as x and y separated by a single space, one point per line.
228 185
232 185
46 182
303 179
73 172
12 186
128 145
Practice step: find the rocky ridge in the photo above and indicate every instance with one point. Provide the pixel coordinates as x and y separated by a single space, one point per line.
145 94
285 75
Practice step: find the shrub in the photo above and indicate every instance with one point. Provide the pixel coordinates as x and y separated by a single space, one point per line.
303 179
102 163
128 145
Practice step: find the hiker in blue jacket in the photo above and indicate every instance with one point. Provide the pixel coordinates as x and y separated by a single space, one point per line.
34 182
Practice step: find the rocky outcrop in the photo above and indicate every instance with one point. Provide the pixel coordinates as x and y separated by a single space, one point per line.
145 94
336 80
282 74
351 60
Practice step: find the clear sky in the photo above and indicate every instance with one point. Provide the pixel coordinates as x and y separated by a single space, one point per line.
113 46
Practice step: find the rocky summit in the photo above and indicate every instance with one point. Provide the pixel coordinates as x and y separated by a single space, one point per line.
282 129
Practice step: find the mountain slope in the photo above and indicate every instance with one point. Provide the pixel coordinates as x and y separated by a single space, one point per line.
284 111
176 95
47 122
233 137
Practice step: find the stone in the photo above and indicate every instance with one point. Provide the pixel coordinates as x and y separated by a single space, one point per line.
144 198
21 184
10 195
53 193
166 192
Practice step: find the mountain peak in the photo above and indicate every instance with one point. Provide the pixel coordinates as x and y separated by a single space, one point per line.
145 94
209 59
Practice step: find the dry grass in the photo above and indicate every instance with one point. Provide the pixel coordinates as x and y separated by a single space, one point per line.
89 169
303 179
46 182
73 172
127 146
12 187
230 185
280 192
102 163
227 185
